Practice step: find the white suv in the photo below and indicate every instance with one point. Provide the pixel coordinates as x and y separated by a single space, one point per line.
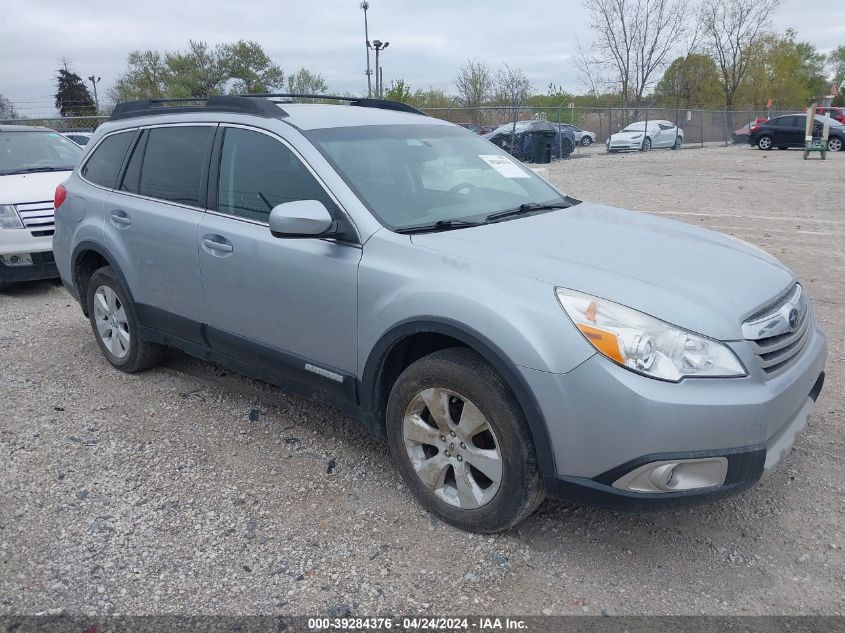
33 160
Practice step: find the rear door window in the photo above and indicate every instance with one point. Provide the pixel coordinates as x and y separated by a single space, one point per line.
173 163
104 165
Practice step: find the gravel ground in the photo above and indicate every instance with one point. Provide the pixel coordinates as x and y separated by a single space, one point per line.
187 489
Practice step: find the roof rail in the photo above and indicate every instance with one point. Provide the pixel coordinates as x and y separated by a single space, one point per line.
217 103
362 102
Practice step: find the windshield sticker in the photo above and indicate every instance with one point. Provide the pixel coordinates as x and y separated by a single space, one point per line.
504 165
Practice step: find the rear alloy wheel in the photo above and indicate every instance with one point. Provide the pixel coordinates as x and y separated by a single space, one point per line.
115 324
765 143
646 145
586 140
678 142
834 144
461 442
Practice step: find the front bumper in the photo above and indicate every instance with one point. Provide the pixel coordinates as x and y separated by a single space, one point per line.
43 267
605 422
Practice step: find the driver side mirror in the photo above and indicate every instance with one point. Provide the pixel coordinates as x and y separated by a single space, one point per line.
300 219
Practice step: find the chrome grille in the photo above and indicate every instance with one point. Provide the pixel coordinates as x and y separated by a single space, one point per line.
780 331
37 217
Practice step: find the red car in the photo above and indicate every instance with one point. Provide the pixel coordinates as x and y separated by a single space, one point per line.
837 113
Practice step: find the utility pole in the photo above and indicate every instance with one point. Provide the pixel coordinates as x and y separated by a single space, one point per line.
94 81
365 6
379 46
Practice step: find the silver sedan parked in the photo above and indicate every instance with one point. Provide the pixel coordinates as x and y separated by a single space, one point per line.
645 135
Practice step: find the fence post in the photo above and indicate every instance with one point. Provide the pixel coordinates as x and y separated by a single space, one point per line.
645 130
559 133
725 125
609 121
701 131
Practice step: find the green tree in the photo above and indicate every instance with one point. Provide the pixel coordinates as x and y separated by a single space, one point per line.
789 72
398 91
430 98
199 71
146 77
303 81
248 65
7 109
691 81
836 63
72 97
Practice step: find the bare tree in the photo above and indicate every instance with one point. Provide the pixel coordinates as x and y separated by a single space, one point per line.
512 87
635 37
474 82
731 29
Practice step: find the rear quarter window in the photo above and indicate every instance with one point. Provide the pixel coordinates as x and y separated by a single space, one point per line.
104 165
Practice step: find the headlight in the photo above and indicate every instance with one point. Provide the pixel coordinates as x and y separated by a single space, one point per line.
634 138
644 344
9 218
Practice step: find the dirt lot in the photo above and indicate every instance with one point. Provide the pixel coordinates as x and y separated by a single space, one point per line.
161 492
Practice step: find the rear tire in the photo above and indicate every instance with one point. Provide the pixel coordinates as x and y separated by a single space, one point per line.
586 141
114 322
461 442
834 144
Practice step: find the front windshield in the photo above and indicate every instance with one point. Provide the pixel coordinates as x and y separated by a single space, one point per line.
635 127
21 152
412 175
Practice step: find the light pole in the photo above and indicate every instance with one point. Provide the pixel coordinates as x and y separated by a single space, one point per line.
365 6
94 81
379 46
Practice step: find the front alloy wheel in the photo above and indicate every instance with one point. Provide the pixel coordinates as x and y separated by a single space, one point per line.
765 143
461 442
452 448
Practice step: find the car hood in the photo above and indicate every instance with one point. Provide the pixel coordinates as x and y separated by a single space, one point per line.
621 136
692 277
37 187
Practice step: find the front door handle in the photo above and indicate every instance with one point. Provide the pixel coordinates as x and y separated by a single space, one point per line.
119 219
217 243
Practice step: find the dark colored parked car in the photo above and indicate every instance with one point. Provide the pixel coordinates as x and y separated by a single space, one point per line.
836 112
789 130
517 140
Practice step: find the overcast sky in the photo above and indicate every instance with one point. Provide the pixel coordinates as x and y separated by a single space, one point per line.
428 40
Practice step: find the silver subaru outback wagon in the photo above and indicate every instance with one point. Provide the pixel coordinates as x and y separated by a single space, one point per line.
506 341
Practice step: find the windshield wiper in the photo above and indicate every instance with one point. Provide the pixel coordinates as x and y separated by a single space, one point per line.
436 227
32 170
530 207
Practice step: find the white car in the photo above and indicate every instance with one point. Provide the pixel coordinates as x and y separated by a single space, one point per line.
80 138
33 161
584 138
645 135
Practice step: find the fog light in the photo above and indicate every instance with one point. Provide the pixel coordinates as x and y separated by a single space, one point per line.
675 475
17 259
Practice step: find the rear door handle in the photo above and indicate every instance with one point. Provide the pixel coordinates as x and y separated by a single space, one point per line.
217 243
119 219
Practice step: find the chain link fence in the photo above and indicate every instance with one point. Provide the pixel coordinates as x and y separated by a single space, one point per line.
701 127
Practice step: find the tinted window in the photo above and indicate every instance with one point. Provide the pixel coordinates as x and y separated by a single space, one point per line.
173 163
104 165
258 172
132 177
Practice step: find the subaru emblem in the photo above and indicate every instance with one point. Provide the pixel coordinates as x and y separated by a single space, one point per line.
793 319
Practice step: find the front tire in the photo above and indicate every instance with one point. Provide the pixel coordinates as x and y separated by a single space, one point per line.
765 143
646 145
461 442
114 322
